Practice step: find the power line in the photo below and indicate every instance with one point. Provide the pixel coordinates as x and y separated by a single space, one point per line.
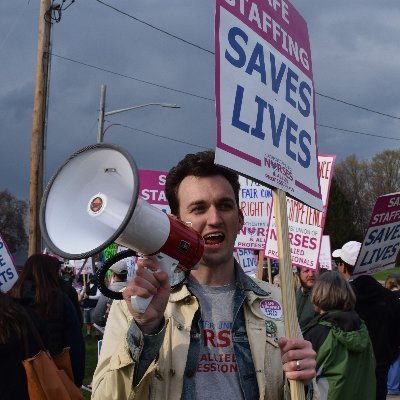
131 77
195 95
155 27
354 105
212 52
360 133
160 136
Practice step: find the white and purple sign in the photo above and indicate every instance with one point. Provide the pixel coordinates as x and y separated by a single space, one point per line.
8 273
306 224
381 244
248 260
325 254
255 201
265 100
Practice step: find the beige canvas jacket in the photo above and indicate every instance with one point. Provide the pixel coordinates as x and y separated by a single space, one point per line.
163 380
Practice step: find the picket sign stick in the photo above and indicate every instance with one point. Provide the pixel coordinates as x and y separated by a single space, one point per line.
269 270
286 274
260 265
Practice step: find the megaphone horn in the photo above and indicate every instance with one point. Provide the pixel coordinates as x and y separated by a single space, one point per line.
93 200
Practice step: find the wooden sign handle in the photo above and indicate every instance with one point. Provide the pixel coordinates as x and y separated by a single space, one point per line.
260 266
286 274
269 271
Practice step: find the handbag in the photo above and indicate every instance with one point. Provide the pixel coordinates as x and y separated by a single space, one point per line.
49 378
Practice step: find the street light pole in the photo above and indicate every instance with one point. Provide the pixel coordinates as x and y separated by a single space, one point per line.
100 127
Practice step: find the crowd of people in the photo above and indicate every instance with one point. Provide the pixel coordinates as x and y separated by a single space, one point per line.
213 332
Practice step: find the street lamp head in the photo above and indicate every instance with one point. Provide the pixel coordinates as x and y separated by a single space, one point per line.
168 105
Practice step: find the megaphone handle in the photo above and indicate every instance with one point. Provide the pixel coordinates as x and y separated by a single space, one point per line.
165 263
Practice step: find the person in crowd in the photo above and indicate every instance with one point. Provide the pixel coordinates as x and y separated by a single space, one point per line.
341 341
119 273
66 284
393 383
305 309
89 297
276 280
13 330
379 308
211 334
391 284
38 289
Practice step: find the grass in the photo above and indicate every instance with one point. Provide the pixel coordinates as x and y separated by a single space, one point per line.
91 362
382 275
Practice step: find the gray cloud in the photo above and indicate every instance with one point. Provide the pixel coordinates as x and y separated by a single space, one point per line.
355 58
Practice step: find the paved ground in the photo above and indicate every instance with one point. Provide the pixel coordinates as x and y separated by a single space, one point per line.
393 398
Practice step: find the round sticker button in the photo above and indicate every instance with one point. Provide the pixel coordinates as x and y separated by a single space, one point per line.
271 308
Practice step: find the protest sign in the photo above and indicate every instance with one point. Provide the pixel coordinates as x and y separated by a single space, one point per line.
381 244
152 188
8 273
255 201
265 104
325 254
265 113
83 266
306 224
248 260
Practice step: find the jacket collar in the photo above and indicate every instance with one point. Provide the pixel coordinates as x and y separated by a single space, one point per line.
244 282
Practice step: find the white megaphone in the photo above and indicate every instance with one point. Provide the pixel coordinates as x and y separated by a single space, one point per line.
93 200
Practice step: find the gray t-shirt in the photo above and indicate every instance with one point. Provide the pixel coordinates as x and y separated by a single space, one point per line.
217 375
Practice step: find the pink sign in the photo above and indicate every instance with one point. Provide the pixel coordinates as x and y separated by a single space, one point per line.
152 188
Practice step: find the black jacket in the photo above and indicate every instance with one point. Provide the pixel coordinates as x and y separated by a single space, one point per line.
380 310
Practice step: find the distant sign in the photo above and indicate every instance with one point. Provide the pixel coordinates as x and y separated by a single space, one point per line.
306 224
78 264
152 188
248 260
325 254
8 273
255 202
265 104
381 244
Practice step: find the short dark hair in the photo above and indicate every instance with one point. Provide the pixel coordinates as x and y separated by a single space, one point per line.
349 267
200 164
332 292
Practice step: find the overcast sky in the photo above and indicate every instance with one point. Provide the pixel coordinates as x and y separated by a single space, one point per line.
355 55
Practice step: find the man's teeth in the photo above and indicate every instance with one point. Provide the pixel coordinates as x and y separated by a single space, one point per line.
214 237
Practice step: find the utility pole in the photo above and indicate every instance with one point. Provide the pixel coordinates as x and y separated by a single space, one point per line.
38 127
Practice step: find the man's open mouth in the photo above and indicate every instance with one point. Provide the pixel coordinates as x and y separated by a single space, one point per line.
214 238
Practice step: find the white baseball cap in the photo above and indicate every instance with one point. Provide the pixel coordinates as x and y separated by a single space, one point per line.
349 252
